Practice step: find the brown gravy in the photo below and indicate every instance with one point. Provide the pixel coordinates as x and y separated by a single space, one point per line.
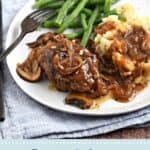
98 102
121 65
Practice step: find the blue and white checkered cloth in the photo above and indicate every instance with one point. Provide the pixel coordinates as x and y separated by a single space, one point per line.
26 118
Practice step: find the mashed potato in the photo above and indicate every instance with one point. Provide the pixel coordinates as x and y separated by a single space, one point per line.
104 41
126 43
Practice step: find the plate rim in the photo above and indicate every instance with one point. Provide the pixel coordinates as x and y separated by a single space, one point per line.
8 41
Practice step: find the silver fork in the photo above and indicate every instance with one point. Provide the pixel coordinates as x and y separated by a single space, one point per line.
29 24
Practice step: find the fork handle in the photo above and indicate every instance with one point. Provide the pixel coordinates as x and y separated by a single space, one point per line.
2 108
12 46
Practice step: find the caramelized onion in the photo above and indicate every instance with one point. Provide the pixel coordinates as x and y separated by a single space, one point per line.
107 26
101 87
67 66
121 94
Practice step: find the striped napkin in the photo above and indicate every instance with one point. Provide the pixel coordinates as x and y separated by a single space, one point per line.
27 119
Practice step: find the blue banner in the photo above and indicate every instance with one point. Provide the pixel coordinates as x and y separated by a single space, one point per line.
75 145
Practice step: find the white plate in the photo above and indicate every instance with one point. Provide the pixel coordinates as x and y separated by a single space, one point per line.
54 99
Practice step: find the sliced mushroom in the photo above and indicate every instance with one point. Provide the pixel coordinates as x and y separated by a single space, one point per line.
29 71
79 100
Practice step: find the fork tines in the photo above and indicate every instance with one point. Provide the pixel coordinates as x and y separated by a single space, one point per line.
39 14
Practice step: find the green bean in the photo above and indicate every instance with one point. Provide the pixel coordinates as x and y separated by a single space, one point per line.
49 24
53 14
100 18
64 10
50 17
74 35
42 3
107 6
94 2
77 12
72 16
52 24
75 24
54 5
101 9
83 21
88 32
87 11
